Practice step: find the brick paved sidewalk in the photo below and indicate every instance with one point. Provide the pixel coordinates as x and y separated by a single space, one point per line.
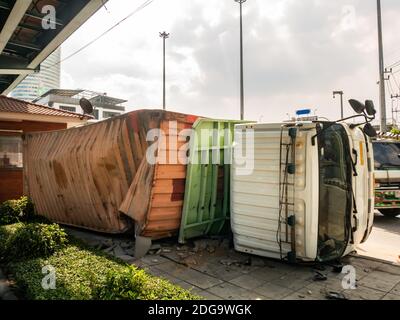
213 270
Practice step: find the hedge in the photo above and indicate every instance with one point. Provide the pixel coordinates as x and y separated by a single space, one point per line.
14 211
82 273
134 284
31 240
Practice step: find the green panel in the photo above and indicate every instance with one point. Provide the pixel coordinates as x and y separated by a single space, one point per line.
206 205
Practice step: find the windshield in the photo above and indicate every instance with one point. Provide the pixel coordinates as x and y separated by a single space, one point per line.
335 174
387 155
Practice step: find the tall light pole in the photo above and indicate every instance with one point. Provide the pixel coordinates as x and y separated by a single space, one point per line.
381 71
335 93
165 36
241 60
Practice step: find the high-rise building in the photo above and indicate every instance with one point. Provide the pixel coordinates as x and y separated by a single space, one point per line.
34 85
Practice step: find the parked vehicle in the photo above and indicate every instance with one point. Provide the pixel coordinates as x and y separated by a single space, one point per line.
387 176
310 193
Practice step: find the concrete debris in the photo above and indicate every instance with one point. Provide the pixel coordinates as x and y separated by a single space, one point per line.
126 258
126 244
200 245
210 249
118 251
182 255
109 250
320 277
108 243
130 252
256 262
335 296
320 267
232 262
182 248
190 261
155 247
142 246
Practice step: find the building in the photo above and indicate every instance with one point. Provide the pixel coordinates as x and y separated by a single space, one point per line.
68 100
36 84
16 118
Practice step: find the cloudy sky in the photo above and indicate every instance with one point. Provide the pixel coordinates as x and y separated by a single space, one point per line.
296 53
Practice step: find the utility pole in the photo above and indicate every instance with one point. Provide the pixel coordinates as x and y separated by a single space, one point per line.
241 60
165 36
341 101
381 71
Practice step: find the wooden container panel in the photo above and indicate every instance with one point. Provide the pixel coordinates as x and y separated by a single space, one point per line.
97 177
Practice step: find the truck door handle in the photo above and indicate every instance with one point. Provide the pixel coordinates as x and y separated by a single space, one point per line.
355 162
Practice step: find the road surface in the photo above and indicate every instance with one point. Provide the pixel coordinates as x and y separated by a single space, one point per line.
384 241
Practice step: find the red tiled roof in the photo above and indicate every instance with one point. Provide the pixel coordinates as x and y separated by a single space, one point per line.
12 105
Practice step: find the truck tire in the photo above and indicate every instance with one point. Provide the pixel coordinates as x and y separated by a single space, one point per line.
390 212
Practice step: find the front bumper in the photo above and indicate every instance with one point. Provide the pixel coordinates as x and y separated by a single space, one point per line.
387 198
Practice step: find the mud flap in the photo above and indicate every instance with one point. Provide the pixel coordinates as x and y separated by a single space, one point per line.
142 246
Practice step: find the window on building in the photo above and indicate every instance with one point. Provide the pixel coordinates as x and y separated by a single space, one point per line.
109 114
96 114
66 108
10 152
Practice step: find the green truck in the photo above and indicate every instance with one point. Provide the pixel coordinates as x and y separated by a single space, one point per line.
387 176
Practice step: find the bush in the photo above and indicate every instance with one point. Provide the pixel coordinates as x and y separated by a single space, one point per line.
82 273
395 131
26 241
14 211
134 284
90 275
5 234
79 274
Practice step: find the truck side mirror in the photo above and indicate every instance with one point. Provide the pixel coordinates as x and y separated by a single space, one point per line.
370 108
357 106
370 131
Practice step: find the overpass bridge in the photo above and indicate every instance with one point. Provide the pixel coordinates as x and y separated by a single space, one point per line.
25 43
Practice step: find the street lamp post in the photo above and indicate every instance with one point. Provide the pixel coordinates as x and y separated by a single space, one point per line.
165 36
341 101
241 61
382 90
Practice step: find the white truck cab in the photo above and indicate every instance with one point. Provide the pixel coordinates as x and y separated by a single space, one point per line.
308 194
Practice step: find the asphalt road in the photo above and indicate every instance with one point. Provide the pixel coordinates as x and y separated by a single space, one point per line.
384 241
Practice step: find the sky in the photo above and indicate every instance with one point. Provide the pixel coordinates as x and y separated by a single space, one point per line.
296 53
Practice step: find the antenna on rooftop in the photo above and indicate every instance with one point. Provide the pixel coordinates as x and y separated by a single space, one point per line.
86 106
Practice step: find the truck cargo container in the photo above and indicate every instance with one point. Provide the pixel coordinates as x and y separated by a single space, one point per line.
98 177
